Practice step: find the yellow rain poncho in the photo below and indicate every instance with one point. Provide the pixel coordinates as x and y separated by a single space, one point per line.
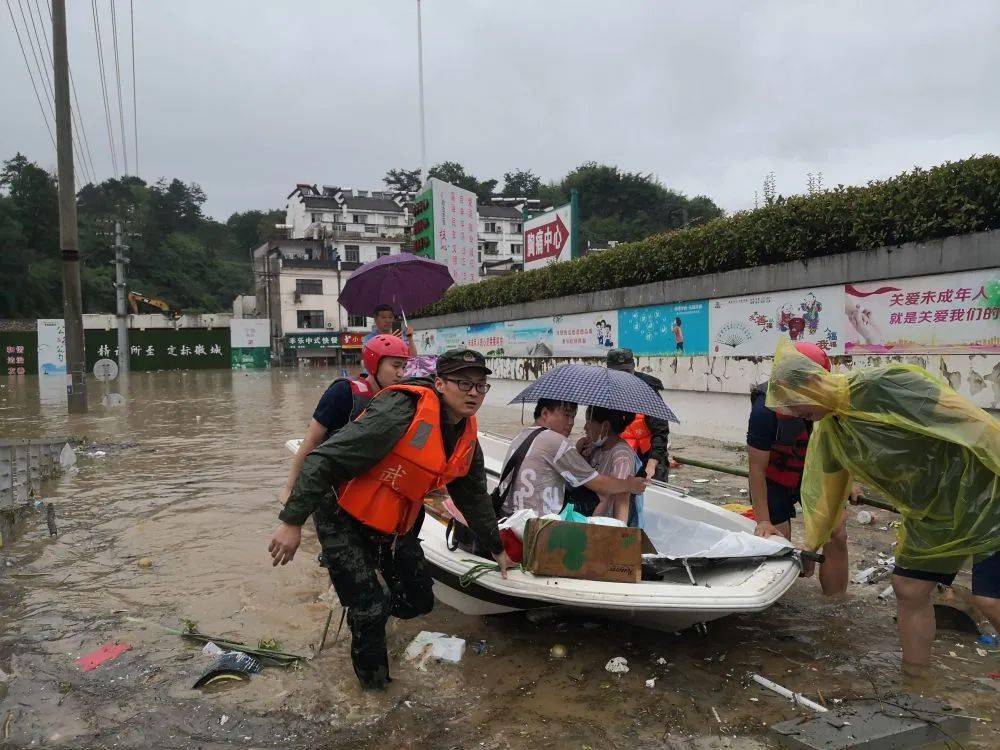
911 439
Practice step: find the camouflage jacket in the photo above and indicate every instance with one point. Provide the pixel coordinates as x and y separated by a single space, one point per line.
361 444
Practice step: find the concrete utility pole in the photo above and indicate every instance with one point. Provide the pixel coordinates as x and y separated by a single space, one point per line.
76 386
420 76
120 310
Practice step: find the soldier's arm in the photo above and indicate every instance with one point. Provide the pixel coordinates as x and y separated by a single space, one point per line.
470 496
660 429
349 453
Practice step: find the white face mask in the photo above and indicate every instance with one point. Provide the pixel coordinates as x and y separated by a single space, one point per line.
601 440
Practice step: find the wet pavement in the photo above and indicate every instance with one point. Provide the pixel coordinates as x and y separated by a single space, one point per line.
195 490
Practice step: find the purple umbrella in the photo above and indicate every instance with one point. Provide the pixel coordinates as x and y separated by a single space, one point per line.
405 281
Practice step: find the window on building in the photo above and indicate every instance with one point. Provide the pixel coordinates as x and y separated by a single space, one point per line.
491 248
492 227
357 321
359 218
381 252
317 218
391 221
371 229
517 228
352 253
516 248
309 286
340 227
307 253
309 318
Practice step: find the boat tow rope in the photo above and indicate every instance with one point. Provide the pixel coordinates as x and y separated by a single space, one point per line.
477 571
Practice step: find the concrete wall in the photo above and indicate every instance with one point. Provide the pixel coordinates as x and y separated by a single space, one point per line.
964 253
97 321
710 394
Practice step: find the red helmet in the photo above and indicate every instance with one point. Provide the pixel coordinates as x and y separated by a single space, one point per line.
814 353
382 345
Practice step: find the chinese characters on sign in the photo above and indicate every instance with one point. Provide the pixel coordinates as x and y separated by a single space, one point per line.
15 360
547 238
930 314
314 341
352 340
456 230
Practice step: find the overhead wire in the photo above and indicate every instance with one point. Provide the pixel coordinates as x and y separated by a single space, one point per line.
27 65
118 82
49 72
104 86
135 112
76 111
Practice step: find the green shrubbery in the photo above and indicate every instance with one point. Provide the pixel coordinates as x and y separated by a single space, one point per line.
954 198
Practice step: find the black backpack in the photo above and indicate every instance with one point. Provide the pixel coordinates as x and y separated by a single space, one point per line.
458 534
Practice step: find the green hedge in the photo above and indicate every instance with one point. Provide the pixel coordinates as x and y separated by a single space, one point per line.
954 198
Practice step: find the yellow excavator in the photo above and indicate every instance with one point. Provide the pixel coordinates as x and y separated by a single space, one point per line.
135 299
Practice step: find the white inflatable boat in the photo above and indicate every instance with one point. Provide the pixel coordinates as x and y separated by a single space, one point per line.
683 596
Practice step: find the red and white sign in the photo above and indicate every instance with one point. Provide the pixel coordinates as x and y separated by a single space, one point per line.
352 340
547 238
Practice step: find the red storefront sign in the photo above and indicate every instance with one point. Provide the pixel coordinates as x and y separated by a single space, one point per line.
351 340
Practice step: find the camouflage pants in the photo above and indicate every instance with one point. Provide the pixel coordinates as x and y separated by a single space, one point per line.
355 554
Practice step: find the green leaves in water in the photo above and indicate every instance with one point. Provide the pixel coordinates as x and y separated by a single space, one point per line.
269 645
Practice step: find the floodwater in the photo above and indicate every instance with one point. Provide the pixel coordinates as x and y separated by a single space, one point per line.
196 492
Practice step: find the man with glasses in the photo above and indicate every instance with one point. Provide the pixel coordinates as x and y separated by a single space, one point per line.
414 437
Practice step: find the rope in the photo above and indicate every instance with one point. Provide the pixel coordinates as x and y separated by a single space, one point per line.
528 557
477 571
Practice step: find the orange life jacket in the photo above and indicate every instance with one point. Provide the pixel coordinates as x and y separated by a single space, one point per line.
638 436
389 496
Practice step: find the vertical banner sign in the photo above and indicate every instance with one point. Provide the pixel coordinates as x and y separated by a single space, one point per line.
446 228
249 340
423 224
51 347
548 237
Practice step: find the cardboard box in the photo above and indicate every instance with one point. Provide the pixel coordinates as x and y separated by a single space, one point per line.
583 550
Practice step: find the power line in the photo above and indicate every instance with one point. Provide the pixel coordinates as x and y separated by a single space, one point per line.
41 107
118 79
135 113
104 86
48 68
77 112
46 83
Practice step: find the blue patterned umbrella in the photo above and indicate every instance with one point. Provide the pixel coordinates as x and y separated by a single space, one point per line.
597 386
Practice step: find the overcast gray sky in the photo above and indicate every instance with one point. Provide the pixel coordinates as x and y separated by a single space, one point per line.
247 98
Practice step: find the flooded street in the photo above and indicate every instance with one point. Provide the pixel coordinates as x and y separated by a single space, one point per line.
195 490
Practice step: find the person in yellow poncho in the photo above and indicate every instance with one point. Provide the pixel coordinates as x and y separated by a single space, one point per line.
930 452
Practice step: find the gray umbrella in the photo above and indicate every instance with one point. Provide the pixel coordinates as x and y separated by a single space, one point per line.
597 386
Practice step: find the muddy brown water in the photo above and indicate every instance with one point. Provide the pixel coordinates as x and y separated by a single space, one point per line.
197 493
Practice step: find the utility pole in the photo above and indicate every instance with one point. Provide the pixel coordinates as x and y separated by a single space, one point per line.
76 386
420 75
120 310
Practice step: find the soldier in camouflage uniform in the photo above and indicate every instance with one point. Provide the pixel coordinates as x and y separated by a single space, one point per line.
354 551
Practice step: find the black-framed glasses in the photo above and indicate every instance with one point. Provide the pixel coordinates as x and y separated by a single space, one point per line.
467 385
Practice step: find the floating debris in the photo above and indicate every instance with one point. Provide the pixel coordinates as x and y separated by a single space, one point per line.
618 665
107 652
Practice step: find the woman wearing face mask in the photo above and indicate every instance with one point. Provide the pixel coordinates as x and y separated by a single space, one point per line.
605 450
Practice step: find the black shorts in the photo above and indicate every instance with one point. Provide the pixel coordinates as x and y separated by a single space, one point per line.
781 502
985 576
